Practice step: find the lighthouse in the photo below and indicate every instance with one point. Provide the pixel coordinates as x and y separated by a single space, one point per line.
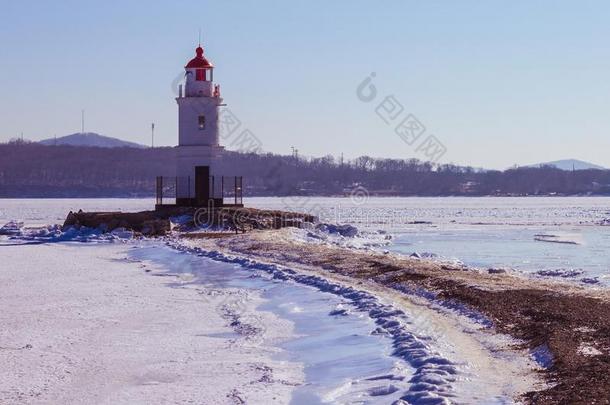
198 149
198 181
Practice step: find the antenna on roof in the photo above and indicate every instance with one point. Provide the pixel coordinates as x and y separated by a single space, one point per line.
199 36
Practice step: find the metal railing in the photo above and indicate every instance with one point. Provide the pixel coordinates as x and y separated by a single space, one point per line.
166 188
231 188
170 190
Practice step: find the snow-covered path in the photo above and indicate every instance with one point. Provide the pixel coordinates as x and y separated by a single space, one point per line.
83 324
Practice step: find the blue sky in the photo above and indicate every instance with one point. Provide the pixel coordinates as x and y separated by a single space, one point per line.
498 83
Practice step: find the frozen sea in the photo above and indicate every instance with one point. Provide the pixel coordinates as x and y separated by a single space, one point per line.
551 237
565 238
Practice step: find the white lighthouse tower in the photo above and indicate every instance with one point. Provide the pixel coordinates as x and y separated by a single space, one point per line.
198 149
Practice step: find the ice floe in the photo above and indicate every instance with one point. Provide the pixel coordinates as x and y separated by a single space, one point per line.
11 228
55 233
563 238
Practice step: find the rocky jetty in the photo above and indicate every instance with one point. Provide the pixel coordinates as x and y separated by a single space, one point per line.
160 222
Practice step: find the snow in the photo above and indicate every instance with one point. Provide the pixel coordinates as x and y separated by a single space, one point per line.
11 228
439 361
589 350
83 324
452 359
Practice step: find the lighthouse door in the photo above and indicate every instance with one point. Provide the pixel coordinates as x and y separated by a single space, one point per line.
202 185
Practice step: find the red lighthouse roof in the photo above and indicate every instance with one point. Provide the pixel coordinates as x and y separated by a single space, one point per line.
198 61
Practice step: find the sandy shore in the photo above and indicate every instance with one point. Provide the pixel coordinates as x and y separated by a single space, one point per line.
83 324
566 327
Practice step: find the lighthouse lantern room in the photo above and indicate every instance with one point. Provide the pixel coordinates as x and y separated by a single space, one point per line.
197 182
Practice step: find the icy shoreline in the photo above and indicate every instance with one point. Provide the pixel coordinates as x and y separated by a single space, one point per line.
85 324
449 363
556 322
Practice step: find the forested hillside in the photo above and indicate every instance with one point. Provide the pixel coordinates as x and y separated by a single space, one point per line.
35 170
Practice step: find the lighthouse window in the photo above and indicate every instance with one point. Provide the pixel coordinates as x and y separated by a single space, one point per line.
201 122
200 75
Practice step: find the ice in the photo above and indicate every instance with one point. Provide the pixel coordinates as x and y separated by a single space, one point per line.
588 350
55 233
396 213
340 310
345 230
382 390
563 238
543 356
485 232
565 273
11 228
435 374
488 233
407 345
83 323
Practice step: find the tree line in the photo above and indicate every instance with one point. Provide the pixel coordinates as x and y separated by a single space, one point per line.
35 170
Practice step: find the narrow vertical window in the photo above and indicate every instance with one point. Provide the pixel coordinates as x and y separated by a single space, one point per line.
202 122
200 75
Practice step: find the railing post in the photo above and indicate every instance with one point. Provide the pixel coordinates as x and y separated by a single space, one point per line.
235 190
157 190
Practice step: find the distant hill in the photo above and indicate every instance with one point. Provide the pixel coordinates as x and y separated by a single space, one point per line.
91 139
569 164
34 170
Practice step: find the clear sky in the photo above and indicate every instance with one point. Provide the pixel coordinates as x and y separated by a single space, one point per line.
497 82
